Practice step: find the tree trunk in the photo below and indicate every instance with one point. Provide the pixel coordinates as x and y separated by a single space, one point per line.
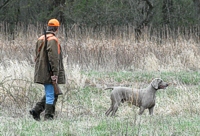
197 7
167 10
148 17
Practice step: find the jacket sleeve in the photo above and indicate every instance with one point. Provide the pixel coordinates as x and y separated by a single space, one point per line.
53 55
36 49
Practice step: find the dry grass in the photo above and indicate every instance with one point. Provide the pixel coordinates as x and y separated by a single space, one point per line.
89 61
104 51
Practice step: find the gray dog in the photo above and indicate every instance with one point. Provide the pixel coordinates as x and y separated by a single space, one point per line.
144 98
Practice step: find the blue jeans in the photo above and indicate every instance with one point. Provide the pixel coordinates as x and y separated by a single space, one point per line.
49 92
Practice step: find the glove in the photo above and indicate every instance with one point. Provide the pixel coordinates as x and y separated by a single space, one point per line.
54 78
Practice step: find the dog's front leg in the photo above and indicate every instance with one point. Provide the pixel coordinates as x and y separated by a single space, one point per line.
151 110
141 110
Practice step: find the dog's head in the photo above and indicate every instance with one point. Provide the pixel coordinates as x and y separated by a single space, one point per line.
158 83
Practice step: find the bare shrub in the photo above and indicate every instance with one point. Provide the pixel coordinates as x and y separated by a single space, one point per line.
16 85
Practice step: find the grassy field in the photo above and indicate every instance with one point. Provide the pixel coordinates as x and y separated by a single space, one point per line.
81 110
91 65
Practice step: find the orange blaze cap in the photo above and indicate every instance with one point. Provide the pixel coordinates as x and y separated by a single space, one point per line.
53 22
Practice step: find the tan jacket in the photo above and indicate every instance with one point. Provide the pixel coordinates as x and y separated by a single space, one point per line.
42 75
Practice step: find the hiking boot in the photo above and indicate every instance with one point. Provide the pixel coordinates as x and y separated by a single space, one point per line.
35 115
48 117
49 112
39 107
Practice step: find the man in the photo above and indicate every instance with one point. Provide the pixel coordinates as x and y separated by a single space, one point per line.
48 60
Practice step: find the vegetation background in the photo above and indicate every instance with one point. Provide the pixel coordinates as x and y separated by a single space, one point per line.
105 43
95 14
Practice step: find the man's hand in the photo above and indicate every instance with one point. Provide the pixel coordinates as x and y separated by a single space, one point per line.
54 78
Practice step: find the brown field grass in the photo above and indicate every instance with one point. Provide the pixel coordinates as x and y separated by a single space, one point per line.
92 50
104 51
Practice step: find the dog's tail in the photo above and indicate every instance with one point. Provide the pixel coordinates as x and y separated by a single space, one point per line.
109 88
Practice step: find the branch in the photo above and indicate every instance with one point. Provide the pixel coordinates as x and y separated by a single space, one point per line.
5 3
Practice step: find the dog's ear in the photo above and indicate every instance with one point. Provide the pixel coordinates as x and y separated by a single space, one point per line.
155 83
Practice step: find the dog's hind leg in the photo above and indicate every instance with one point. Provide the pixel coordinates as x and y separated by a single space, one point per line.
109 110
115 108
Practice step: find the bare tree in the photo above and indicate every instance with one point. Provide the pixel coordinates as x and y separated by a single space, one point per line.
197 7
167 10
148 15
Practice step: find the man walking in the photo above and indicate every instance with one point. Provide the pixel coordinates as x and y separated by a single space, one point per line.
49 69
